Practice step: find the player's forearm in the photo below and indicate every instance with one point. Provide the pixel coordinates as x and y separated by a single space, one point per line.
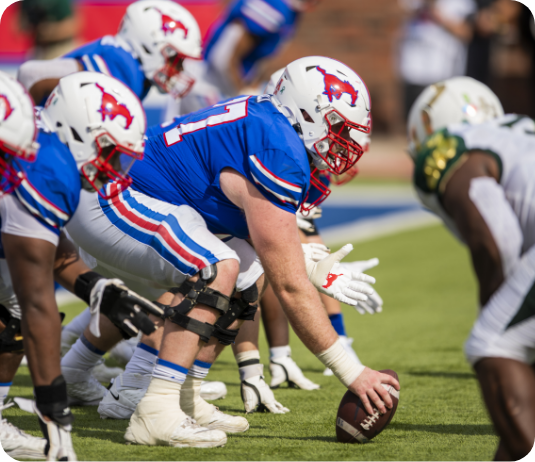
306 314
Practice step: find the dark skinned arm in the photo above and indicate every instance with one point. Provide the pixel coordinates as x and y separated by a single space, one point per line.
485 254
31 264
68 265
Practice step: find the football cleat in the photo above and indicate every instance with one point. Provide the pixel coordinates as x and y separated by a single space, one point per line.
20 445
225 422
346 343
159 421
82 388
123 396
284 369
257 396
213 390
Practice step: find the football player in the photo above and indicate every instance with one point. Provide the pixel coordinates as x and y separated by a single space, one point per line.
153 39
282 367
90 131
249 32
241 170
474 169
18 134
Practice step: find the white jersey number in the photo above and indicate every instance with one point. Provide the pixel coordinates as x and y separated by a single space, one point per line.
235 110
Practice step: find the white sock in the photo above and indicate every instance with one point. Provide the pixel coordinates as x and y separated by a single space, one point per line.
4 391
143 360
79 323
280 352
83 356
249 364
199 370
166 370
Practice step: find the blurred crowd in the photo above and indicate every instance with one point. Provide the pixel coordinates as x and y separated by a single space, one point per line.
490 40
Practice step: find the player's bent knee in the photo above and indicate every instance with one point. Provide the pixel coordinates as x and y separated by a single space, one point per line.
198 292
241 309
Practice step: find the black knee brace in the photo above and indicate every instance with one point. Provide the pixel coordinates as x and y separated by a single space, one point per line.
240 308
194 293
10 338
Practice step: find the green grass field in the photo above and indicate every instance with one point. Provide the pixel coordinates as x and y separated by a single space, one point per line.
430 304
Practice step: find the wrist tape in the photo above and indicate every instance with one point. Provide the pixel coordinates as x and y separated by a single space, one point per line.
343 367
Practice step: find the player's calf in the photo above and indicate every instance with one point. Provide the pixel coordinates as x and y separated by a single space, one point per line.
508 387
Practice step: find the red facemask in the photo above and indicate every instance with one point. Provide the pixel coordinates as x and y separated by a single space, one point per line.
339 151
171 78
315 182
113 162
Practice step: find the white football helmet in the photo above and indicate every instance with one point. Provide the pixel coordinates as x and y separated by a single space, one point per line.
17 131
455 100
162 33
329 106
102 122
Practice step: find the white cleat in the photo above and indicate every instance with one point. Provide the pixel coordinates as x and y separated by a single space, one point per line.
106 374
20 445
346 343
123 396
159 421
226 422
187 434
213 390
284 369
82 388
257 396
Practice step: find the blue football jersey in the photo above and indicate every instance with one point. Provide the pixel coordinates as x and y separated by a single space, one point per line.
183 161
109 57
50 190
272 22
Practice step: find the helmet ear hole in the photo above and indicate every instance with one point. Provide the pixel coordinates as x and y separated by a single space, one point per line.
306 116
146 49
76 136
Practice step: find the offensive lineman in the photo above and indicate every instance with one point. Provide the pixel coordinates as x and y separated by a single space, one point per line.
154 38
474 169
78 149
241 168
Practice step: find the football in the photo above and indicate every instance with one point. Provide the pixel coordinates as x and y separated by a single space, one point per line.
355 425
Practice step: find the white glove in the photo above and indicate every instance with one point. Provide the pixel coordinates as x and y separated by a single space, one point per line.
57 435
315 252
374 304
255 392
330 278
360 266
303 222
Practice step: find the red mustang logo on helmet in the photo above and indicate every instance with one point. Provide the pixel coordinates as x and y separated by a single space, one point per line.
111 108
169 25
336 87
8 110
330 279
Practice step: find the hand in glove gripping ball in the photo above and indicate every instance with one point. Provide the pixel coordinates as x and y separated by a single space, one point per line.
332 279
126 309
